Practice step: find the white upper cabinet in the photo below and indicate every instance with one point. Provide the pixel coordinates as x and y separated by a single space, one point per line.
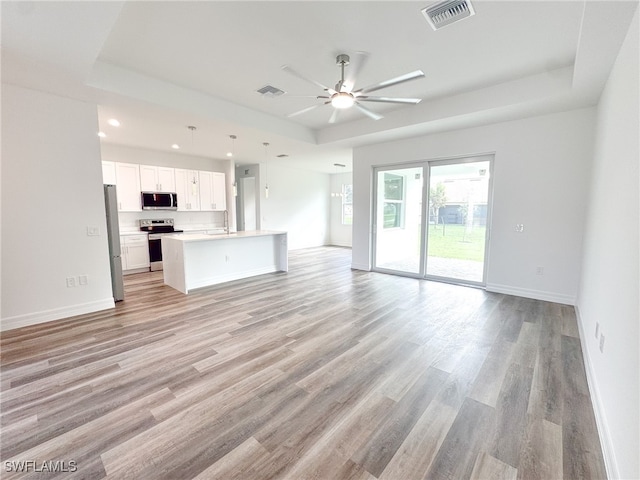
188 189
197 190
108 173
128 187
157 179
212 191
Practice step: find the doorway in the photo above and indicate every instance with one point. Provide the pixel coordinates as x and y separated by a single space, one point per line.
431 219
247 218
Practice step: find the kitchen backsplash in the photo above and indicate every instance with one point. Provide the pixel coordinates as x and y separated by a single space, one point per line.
183 220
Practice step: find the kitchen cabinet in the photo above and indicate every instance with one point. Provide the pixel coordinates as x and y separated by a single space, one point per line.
135 251
128 187
212 191
188 190
157 179
108 173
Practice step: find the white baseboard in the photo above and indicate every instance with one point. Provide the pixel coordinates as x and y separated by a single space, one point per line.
529 293
360 266
610 463
34 318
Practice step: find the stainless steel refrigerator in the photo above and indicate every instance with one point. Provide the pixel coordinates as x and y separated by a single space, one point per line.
113 235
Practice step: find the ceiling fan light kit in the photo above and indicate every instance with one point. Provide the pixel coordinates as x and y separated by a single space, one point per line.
342 100
343 96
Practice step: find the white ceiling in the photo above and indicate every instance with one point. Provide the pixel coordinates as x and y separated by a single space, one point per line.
161 66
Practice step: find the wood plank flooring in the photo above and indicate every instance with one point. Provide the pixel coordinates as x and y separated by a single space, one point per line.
319 373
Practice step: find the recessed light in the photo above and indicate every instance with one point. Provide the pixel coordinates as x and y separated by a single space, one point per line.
102 134
175 146
113 122
229 154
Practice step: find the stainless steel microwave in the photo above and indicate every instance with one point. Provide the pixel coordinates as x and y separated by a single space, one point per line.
159 200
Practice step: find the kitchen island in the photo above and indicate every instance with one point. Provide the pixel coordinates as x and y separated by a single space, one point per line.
193 261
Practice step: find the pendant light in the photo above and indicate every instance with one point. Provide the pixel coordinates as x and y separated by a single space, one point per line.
266 169
336 165
194 182
233 144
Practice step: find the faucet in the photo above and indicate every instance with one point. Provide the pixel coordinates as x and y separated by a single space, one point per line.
226 221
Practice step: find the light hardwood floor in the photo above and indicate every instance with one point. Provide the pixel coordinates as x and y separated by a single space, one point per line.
319 373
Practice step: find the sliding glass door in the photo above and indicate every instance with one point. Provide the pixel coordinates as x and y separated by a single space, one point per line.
398 222
454 196
458 213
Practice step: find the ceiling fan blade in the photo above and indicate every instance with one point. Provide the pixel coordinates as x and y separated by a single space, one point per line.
304 110
367 112
356 63
291 71
412 101
334 115
306 96
394 81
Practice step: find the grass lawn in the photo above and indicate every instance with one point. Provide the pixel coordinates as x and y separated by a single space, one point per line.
450 241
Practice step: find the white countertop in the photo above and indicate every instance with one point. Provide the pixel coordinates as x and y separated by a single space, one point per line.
187 237
198 227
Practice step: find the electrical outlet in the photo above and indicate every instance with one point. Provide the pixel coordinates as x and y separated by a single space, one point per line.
519 227
83 280
540 271
71 282
597 330
601 343
93 231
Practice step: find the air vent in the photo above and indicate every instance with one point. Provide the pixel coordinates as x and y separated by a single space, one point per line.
447 12
270 91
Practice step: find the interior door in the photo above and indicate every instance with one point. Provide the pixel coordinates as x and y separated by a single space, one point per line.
248 189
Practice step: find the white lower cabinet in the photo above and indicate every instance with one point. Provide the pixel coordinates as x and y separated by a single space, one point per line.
135 252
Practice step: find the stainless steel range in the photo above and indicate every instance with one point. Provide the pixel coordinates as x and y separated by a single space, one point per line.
156 229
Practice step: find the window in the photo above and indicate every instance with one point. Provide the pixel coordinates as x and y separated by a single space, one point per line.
347 204
393 200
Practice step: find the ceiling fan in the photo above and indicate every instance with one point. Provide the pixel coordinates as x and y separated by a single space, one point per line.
343 95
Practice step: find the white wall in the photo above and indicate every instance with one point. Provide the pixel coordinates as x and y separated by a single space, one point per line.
610 285
51 192
298 203
125 154
339 234
540 179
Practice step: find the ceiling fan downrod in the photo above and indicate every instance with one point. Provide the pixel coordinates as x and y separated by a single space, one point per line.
342 99
342 61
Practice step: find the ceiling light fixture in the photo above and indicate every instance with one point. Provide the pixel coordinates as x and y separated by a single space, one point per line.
113 122
342 100
175 146
102 134
233 143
